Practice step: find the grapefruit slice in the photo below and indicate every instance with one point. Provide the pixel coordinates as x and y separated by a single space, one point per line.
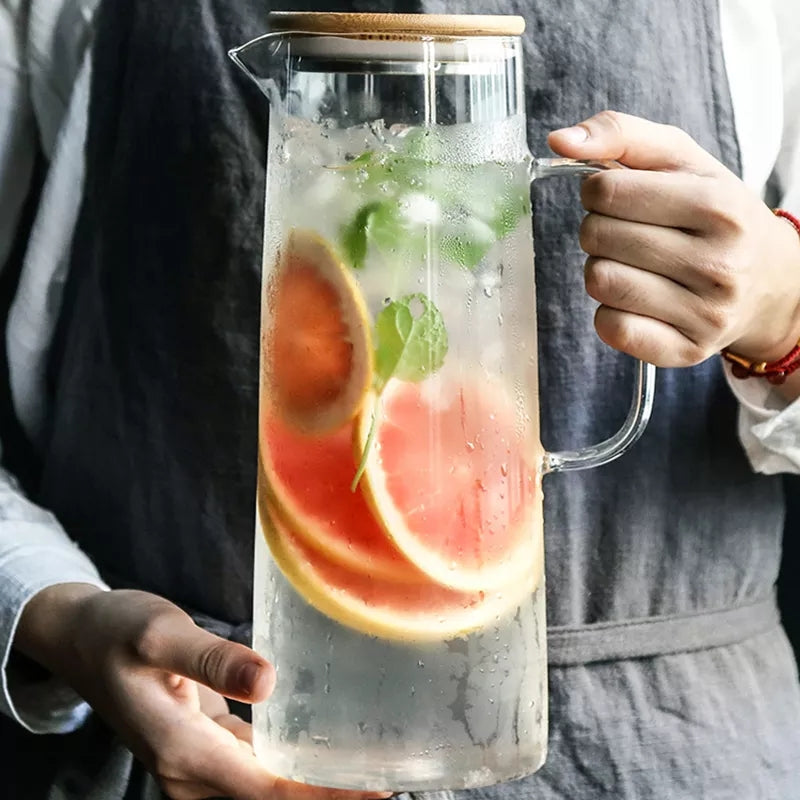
317 343
448 478
399 611
309 481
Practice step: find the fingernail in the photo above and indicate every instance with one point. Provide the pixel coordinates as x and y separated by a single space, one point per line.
247 676
574 135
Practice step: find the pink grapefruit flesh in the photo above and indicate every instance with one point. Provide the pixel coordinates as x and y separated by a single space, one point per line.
423 611
309 480
317 343
448 479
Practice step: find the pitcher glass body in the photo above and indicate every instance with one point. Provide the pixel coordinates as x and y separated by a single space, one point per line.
399 578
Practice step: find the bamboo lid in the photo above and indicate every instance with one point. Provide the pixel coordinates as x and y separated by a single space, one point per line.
399 25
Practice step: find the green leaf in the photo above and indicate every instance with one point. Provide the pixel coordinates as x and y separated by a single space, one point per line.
355 235
411 340
478 204
411 344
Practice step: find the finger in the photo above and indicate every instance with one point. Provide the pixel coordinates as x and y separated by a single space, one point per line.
663 251
202 753
669 199
237 726
648 339
288 790
188 790
627 288
172 642
635 142
211 703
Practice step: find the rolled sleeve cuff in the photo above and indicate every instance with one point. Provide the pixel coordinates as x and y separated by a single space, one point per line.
769 426
43 557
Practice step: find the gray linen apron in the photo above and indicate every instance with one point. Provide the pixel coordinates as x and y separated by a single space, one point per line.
670 674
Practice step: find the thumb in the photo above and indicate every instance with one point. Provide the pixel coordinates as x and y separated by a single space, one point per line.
171 641
634 142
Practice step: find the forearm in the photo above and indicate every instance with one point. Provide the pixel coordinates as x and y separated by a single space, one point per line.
35 554
48 621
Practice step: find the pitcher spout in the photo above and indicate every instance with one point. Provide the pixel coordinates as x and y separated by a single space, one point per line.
261 59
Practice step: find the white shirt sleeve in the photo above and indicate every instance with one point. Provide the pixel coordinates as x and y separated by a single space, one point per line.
34 550
769 427
34 553
17 131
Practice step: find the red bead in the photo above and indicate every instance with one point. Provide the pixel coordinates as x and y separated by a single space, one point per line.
739 371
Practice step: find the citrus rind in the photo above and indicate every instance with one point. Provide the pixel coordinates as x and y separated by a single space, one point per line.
317 344
343 527
400 612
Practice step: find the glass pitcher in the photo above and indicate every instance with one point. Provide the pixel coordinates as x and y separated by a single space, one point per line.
399 577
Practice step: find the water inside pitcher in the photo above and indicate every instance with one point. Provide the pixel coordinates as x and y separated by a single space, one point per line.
399 579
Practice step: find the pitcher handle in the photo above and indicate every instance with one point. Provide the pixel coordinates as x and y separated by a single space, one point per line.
645 378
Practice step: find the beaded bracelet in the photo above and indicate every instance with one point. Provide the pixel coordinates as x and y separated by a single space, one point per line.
775 372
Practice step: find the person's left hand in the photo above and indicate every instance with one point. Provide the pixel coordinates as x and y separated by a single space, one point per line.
683 258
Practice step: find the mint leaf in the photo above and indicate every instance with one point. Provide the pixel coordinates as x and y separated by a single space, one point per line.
415 203
411 344
355 235
384 224
411 340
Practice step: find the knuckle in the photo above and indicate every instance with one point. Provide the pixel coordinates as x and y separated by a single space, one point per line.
678 134
152 638
704 195
723 276
716 317
213 660
600 192
727 218
610 120
678 143
601 284
615 331
721 209
693 353
590 234
682 142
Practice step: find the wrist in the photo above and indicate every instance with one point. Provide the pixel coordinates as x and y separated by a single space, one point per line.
50 621
776 333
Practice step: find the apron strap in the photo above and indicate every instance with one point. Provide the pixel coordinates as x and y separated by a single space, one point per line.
617 641
569 646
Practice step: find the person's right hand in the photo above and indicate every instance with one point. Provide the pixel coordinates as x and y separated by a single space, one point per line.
160 682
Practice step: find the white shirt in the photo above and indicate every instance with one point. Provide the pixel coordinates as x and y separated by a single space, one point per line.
44 98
